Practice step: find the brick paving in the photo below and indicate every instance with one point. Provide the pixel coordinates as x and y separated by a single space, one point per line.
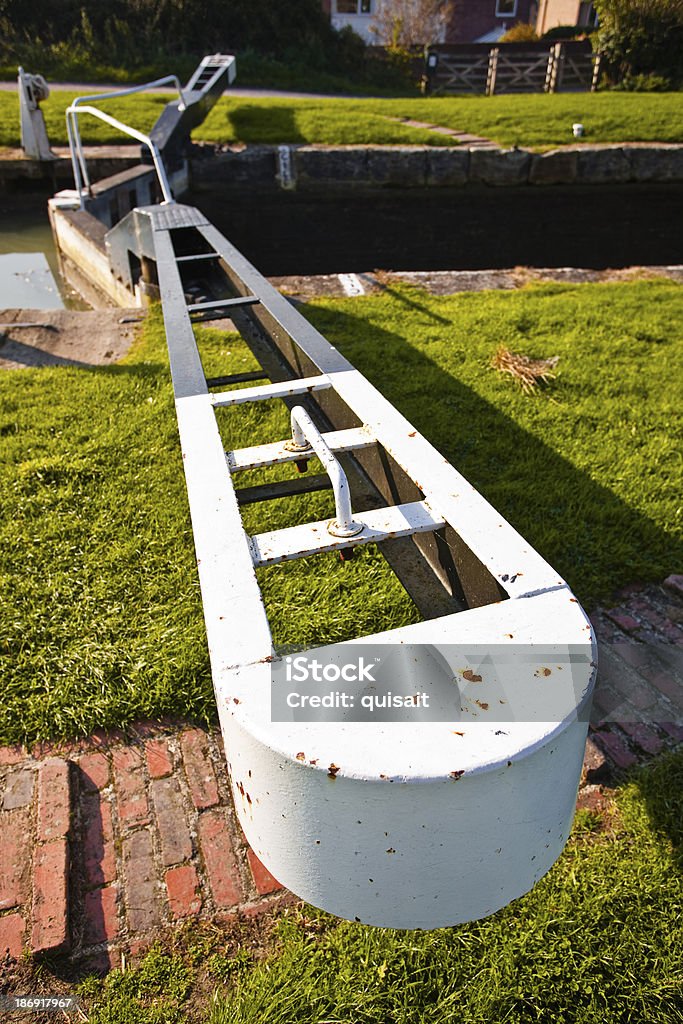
106 841
638 703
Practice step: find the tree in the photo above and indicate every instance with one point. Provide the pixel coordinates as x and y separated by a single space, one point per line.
403 23
641 37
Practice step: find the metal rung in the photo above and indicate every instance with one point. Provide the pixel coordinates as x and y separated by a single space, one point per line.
198 256
242 300
207 318
283 489
313 538
281 389
274 454
236 378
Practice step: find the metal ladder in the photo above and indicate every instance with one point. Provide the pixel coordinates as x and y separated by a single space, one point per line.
345 530
476 812
208 70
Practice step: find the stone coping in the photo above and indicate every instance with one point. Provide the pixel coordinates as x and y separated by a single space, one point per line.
320 166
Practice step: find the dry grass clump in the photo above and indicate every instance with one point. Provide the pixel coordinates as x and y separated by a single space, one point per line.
525 370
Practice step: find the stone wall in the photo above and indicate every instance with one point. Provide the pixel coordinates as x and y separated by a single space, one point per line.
317 167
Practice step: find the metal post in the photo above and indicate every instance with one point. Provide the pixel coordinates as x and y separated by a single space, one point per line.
305 438
492 71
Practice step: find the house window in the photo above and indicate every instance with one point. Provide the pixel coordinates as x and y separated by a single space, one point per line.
587 15
354 6
506 8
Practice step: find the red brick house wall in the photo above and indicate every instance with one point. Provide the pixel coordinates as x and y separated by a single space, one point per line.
474 18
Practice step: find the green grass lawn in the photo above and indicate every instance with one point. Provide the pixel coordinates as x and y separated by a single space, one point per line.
536 121
101 622
597 941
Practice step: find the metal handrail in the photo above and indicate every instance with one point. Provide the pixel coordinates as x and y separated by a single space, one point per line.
82 105
307 438
78 161
115 93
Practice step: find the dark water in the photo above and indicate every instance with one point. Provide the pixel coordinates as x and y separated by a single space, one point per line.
418 229
452 229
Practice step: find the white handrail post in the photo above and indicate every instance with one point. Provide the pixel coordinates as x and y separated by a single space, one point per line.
307 437
75 144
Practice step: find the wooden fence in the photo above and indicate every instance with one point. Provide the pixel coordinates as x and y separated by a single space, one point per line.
510 68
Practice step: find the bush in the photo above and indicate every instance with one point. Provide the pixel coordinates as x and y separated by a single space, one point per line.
644 83
520 33
290 46
641 37
561 32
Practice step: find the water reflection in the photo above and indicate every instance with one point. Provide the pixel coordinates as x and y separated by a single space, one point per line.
25 228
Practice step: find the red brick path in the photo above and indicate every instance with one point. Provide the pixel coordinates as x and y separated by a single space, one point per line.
638 703
106 841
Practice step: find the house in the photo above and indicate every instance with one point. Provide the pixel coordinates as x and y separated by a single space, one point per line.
552 13
485 21
357 14
472 21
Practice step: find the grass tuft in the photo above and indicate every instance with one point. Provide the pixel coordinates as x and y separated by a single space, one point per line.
528 372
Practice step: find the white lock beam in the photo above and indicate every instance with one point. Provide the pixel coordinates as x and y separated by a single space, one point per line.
406 825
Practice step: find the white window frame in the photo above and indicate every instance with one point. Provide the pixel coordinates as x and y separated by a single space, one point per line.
358 13
506 14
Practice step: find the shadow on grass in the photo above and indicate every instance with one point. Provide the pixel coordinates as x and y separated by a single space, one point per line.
661 787
585 530
260 124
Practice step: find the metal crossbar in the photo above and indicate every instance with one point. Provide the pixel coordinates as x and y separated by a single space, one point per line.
261 455
317 538
241 300
285 389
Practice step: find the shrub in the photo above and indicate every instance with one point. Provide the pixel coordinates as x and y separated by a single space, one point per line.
641 37
560 32
520 33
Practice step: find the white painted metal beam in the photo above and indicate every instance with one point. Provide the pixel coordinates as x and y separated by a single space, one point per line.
353 439
285 389
314 538
403 825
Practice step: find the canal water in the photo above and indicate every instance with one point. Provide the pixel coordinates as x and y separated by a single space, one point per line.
471 228
25 229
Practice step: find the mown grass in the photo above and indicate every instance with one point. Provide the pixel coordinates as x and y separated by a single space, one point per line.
535 121
101 622
589 470
598 941
334 121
